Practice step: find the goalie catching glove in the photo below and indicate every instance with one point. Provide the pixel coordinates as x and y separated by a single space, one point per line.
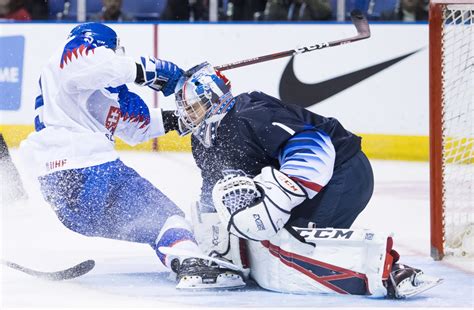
258 208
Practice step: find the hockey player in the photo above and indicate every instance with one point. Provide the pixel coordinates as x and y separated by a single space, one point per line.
291 183
82 104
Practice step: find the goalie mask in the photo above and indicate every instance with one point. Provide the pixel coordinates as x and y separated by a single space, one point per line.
202 98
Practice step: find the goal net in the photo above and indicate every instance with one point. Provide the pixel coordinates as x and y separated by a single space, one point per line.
451 27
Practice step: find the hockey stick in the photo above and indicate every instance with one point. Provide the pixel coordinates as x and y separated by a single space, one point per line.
66 274
358 19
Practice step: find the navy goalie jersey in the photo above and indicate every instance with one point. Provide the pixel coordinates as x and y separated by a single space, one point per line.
262 131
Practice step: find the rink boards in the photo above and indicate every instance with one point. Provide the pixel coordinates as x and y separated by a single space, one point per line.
378 88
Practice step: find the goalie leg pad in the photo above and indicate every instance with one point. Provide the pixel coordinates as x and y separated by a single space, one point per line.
211 235
214 239
343 261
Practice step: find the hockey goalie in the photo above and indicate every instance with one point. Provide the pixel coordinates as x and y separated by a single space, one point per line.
287 184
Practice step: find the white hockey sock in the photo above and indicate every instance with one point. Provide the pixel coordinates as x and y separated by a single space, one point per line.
176 233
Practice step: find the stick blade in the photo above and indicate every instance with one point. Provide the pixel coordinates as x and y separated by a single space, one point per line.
73 272
66 274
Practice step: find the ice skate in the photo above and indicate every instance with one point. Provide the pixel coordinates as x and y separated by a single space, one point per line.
405 281
198 273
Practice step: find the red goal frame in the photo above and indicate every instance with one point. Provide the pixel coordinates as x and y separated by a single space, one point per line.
435 123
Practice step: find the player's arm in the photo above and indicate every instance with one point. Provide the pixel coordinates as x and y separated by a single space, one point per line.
138 123
159 75
101 67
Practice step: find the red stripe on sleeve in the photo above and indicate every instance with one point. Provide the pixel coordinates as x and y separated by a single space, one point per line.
313 186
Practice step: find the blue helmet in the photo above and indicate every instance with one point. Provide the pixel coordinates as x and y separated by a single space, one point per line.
96 34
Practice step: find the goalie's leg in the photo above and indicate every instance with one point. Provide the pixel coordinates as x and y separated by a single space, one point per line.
406 281
344 261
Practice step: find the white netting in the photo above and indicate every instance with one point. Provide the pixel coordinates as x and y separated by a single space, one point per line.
458 128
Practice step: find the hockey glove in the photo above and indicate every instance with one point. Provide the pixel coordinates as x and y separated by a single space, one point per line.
159 75
172 122
258 208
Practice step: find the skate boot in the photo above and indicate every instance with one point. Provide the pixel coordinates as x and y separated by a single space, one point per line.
405 281
197 273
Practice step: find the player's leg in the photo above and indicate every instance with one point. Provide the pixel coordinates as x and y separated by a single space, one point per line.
146 215
113 201
109 200
341 200
62 190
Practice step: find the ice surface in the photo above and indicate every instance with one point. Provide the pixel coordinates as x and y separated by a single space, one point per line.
129 275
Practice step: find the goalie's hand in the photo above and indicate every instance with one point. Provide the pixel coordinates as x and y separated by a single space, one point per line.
258 208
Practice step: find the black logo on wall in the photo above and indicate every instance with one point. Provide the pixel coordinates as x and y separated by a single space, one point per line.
294 91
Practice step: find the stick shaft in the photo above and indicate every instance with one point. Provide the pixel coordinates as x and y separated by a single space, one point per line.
359 21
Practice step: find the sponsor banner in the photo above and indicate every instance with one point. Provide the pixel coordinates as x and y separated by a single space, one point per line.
377 87
11 71
374 86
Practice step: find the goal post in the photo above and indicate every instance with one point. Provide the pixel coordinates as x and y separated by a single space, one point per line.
451 63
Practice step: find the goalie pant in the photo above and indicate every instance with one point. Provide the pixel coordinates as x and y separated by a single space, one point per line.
342 261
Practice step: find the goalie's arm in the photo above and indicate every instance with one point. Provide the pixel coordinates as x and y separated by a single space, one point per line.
308 158
307 163
256 209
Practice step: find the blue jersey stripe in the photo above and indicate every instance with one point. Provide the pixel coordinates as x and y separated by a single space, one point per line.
309 156
39 125
39 102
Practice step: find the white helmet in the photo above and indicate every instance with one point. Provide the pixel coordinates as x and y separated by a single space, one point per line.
200 94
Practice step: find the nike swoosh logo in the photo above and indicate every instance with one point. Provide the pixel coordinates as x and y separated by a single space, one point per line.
294 91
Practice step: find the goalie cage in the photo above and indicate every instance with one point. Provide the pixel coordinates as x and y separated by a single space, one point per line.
451 43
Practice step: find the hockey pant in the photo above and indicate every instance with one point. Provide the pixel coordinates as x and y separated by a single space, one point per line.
341 200
113 201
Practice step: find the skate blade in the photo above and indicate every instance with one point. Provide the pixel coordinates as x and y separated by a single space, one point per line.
223 281
422 287
185 254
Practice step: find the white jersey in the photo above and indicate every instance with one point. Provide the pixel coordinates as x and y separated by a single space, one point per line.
77 117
